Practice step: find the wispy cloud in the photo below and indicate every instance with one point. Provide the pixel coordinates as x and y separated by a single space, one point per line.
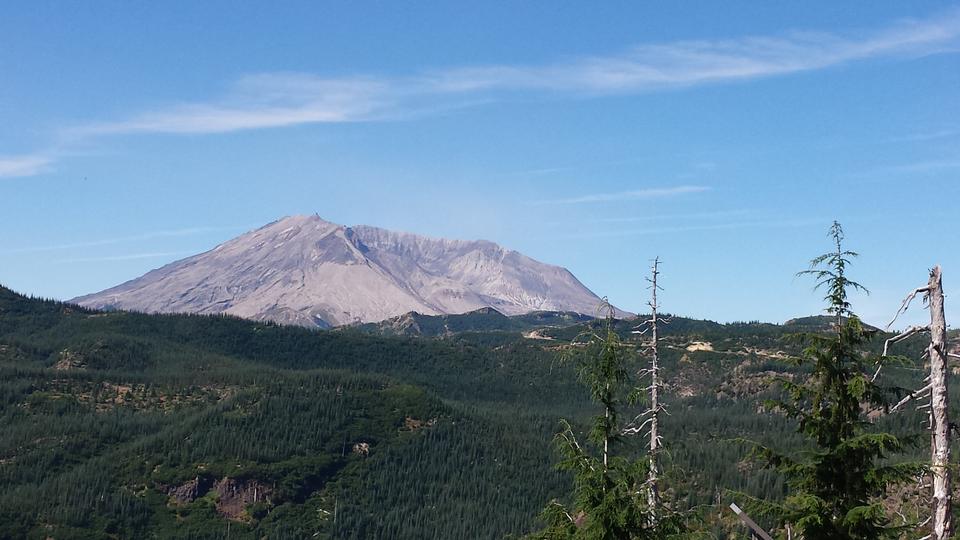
283 99
702 227
272 100
925 166
667 217
926 136
262 101
24 165
189 231
127 257
633 195
689 63
916 168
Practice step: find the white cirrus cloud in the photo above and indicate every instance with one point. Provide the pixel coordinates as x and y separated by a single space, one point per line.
172 233
275 100
667 217
764 224
126 257
686 63
631 195
259 101
24 165
284 99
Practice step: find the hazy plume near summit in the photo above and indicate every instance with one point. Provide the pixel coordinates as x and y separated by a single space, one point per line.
305 271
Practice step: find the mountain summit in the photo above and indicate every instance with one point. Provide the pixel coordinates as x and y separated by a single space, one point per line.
305 271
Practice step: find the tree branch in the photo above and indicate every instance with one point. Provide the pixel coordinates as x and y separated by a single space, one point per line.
896 339
910 396
904 335
906 302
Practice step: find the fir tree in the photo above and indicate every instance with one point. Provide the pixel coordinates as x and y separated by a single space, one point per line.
610 493
836 487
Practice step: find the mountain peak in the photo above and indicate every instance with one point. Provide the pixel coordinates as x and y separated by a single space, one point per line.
307 271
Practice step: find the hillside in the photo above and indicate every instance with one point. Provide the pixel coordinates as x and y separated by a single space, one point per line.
481 320
131 425
305 271
818 323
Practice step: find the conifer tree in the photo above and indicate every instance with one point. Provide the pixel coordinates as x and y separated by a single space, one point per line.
609 497
836 486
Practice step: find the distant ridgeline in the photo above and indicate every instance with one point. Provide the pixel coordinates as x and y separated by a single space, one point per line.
481 320
130 425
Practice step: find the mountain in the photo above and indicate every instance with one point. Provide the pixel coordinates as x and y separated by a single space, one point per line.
481 320
305 271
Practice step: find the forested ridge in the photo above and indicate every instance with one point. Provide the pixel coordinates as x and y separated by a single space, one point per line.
129 425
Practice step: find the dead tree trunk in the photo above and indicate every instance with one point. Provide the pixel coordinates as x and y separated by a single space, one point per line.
653 494
940 451
650 418
938 385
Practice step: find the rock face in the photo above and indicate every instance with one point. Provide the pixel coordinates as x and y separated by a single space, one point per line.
189 491
234 496
305 271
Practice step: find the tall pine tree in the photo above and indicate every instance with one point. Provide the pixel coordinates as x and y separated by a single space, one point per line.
610 491
835 488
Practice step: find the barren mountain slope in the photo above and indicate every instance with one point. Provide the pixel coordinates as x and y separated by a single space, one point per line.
306 271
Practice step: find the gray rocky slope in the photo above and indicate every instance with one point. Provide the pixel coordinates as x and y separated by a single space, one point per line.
306 271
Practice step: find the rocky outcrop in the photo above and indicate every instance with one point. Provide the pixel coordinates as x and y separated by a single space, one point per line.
234 496
189 491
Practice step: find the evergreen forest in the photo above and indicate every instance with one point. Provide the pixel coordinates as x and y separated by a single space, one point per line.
126 425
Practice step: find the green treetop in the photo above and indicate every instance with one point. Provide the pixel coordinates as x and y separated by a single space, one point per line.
610 493
835 488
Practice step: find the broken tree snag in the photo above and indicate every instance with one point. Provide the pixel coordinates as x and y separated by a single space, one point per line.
940 451
653 495
650 418
937 386
755 530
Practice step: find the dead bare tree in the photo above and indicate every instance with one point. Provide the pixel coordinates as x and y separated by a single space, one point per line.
650 418
936 387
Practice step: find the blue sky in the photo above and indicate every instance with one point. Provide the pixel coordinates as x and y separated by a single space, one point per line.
723 137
